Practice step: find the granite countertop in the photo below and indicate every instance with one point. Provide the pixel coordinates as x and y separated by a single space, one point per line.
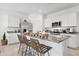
13 32
53 38
58 38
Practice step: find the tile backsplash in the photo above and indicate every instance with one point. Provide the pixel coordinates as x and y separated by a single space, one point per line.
68 29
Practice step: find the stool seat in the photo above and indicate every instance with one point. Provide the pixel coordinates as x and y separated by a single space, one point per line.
42 48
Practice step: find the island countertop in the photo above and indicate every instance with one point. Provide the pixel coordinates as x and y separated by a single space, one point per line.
50 37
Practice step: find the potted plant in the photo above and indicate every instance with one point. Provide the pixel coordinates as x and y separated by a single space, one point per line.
4 41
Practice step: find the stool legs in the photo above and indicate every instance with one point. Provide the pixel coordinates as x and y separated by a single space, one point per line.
48 53
26 51
22 51
19 48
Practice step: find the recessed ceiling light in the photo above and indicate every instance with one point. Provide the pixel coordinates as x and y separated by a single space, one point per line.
40 10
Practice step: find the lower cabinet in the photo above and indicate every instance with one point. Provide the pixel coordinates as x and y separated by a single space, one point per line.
73 41
12 38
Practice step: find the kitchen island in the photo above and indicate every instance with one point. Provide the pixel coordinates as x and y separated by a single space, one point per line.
58 46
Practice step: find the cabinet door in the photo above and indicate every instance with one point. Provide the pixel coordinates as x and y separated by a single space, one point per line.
48 22
13 21
72 41
69 19
12 38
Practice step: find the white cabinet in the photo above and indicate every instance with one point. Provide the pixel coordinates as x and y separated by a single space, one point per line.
73 41
48 22
13 21
37 21
69 19
12 38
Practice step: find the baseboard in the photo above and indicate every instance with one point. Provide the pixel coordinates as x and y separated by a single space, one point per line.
72 48
13 43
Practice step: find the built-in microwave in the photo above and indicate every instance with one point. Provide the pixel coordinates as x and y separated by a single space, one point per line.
56 24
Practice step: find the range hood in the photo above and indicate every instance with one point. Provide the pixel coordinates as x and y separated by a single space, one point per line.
25 25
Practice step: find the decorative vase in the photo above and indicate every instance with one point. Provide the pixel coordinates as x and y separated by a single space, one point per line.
4 41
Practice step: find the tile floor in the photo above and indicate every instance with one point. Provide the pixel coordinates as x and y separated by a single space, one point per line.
12 50
9 50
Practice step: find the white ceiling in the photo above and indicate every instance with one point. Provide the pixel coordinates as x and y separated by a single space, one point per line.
27 8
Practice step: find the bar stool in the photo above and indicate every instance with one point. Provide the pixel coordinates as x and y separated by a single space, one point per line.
34 44
28 48
44 36
44 49
22 42
40 35
40 49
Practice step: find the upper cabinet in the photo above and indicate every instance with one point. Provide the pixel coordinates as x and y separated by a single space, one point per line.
37 21
13 21
68 19
48 22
